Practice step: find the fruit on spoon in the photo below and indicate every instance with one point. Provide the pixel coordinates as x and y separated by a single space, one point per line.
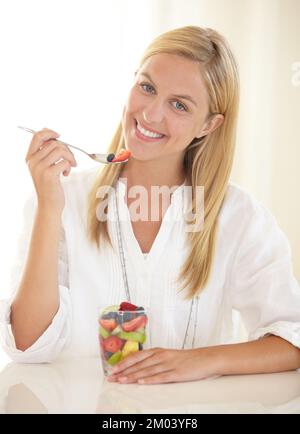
123 155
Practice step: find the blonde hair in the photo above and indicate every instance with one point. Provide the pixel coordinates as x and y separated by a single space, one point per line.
208 160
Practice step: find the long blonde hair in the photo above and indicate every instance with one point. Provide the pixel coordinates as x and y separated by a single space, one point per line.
208 160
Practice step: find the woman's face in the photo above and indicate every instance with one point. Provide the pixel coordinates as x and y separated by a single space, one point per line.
156 103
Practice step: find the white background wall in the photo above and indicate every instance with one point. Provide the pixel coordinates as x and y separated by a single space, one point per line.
68 65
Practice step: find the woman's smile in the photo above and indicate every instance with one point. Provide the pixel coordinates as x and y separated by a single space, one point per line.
146 135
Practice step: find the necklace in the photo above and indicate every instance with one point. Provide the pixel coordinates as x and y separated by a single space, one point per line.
125 278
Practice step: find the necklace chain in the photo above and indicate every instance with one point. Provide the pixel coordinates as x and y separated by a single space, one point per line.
125 278
121 251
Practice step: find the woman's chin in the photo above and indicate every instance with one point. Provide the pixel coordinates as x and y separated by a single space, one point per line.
138 153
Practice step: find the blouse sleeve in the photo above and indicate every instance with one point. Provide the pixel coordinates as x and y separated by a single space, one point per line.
263 287
47 347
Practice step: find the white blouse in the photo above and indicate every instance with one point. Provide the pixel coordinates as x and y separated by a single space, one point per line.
252 274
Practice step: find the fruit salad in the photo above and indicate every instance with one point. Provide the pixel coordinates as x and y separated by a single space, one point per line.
122 331
123 155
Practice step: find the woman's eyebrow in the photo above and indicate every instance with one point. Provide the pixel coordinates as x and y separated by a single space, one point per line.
177 96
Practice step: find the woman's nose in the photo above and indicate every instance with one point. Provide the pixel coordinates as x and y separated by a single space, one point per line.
153 113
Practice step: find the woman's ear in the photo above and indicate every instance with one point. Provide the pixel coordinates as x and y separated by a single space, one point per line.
212 124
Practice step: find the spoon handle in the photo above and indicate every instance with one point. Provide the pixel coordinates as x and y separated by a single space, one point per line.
72 146
100 158
58 140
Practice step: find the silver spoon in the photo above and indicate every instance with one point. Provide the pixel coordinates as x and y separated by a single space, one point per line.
100 158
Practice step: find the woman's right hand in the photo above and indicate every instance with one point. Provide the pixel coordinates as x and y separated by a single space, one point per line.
41 157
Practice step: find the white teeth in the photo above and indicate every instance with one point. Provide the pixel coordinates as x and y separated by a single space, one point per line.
148 133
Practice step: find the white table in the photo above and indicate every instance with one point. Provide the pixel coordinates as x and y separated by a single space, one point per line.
79 387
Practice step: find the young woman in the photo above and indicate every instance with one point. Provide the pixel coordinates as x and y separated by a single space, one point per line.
179 123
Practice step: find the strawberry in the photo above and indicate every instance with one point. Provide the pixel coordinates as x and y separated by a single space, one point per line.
127 306
112 344
135 323
123 155
108 324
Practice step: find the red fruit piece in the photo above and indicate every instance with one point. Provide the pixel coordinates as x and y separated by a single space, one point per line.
108 324
112 344
122 156
135 323
127 306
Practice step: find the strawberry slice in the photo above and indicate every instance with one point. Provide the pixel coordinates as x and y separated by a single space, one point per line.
122 156
112 344
108 324
127 306
135 323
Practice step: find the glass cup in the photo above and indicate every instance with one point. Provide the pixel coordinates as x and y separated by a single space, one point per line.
121 333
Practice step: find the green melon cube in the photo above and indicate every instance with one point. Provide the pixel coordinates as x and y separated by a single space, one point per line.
104 333
115 358
132 336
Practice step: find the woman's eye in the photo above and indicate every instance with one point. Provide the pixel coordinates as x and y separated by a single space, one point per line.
180 106
145 85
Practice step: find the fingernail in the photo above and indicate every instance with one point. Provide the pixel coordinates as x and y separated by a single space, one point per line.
123 378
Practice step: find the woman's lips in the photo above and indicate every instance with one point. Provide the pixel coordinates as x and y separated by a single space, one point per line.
145 138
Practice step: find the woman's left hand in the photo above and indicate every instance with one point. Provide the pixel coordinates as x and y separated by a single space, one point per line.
159 365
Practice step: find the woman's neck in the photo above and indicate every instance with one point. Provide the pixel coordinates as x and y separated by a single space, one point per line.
150 173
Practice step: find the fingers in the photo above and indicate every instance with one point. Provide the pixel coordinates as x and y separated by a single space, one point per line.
146 367
56 154
39 139
50 154
56 169
132 360
142 372
62 167
162 377
47 159
140 366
